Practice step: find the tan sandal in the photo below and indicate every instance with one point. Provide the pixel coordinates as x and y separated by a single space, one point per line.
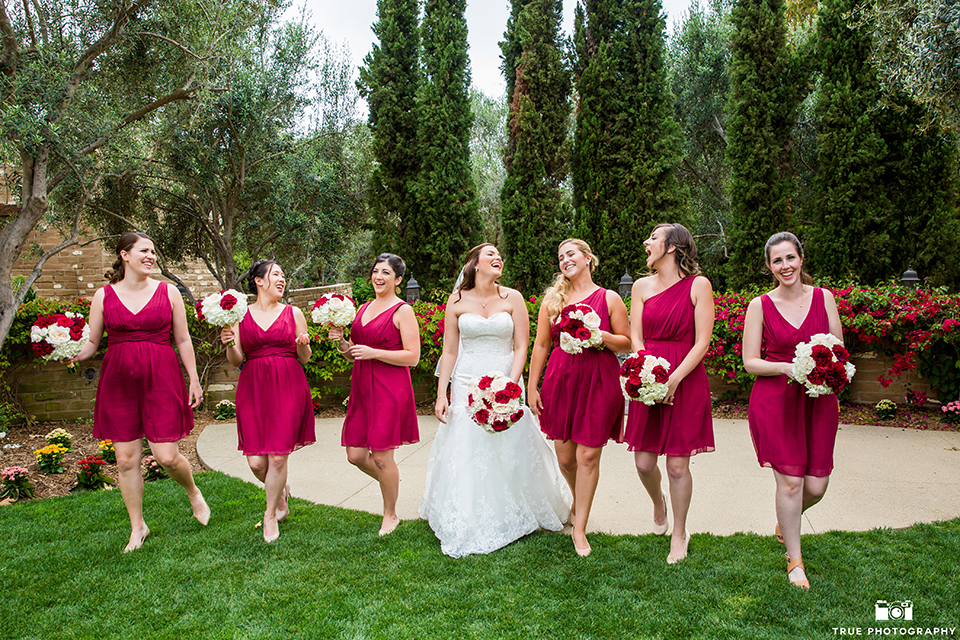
778 533
793 563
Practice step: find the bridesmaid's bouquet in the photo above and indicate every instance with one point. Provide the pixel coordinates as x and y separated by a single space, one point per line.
335 309
578 327
223 309
495 402
643 377
59 336
822 365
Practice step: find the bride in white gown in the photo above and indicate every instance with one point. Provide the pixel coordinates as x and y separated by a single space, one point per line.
485 490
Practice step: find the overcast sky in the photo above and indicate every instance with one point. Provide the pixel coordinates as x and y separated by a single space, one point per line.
349 21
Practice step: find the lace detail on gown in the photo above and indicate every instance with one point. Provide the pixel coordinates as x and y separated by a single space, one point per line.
485 490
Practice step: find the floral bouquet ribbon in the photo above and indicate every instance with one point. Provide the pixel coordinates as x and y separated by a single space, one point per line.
578 328
495 402
59 336
822 365
223 309
643 377
335 309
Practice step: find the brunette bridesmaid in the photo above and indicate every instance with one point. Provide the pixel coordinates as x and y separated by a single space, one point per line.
581 405
141 391
672 318
792 433
381 413
274 408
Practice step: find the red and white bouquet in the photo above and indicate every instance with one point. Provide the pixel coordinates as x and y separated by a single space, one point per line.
59 336
223 309
822 365
495 402
643 377
579 328
335 309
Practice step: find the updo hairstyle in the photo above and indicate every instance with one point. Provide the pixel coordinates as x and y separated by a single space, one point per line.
396 263
258 269
125 243
685 249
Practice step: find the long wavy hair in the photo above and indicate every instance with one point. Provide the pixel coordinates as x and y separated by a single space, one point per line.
556 296
125 243
785 236
470 271
685 249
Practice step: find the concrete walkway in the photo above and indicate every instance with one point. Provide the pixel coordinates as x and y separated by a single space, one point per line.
884 477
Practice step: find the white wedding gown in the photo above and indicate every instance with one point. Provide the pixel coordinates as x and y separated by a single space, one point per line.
485 490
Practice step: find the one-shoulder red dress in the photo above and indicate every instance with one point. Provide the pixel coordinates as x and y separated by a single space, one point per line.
685 428
274 408
792 432
141 392
581 396
381 412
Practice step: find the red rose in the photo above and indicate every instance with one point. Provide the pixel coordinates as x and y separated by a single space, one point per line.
64 322
45 321
487 404
500 425
502 396
199 308
632 389
555 333
660 374
42 348
228 302
818 375
513 389
842 354
470 399
821 354
516 417
319 303
338 296
481 416
76 333
635 378
582 334
484 382
573 325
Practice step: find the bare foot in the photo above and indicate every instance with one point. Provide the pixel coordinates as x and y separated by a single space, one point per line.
573 513
283 509
271 529
580 543
200 509
678 548
389 524
137 536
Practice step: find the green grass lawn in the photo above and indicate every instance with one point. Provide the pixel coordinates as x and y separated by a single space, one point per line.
330 576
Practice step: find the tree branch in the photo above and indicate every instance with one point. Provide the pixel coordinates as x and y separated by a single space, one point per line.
9 39
172 42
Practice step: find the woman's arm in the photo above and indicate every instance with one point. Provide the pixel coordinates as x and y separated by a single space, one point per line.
538 359
521 333
181 337
833 315
618 339
451 345
303 336
752 340
343 346
405 320
636 315
95 322
701 294
234 353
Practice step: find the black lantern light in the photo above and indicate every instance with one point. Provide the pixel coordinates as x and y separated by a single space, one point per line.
626 284
413 289
909 279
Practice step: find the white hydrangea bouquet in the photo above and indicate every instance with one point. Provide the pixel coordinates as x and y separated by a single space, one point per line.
822 365
578 326
495 402
60 336
335 309
643 377
223 309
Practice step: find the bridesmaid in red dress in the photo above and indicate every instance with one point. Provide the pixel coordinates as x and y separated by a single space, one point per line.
274 408
141 391
581 405
792 433
673 319
381 413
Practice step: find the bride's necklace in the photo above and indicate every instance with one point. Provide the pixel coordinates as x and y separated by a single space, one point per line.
483 305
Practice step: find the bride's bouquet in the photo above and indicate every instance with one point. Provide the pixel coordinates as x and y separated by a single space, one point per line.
822 365
578 326
495 402
335 309
643 377
59 336
223 309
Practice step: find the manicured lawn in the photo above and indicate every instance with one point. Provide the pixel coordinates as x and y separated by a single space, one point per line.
331 576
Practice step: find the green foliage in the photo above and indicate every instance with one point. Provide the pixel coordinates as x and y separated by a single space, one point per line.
535 216
362 291
627 146
488 144
15 484
152 470
768 82
91 476
225 410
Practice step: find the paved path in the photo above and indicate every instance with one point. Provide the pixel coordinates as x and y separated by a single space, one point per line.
884 477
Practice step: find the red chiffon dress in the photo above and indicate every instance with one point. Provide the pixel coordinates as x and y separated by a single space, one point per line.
381 412
685 428
141 391
274 408
581 396
792 432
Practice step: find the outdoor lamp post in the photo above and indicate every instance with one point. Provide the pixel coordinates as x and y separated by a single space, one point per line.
626 284
413 289
909 279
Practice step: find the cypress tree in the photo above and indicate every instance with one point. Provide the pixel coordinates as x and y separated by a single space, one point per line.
628 145
768 82
534 216
389 81
447 222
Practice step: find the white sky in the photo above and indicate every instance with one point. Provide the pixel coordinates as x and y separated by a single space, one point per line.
350 21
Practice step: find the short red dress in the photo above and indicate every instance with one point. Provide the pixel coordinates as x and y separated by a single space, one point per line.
381 412
581 396
141 392
274 407
685 428
792 432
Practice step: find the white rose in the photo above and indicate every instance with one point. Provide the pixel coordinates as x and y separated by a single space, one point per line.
37 334
570 344
57 335
334 304
592 320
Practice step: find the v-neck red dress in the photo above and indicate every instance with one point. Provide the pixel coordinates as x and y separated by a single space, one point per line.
381 412
141 392
792 432
274 408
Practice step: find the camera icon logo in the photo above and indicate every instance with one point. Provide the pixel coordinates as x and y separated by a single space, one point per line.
894 610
